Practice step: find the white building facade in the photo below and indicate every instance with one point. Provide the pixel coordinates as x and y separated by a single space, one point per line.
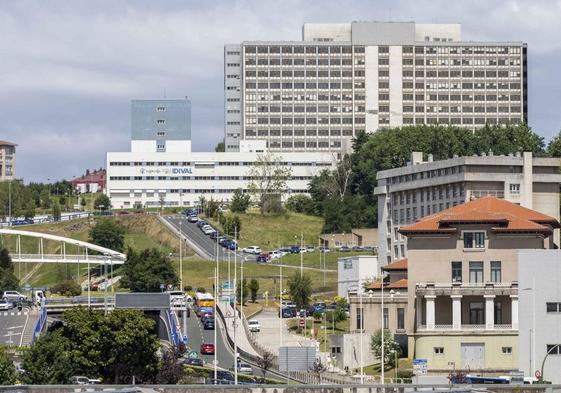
343 78
354 272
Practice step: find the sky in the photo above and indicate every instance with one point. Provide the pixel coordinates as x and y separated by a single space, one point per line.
68 69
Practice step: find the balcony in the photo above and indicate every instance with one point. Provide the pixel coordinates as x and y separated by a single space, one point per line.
467 288
466 327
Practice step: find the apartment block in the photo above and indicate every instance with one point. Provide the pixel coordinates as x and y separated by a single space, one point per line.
342 78
7 160
423 188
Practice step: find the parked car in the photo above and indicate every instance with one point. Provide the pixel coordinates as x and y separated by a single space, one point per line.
319 307
252 250
208 324
5 305
232 245
275 254
224 376
295 249
285 250
207 230
310 248
193 362
358 248
288 312
207 349
13 296
254 325
223 242
344 249
244 368
192 218
263 258
324 249
201 223
215 235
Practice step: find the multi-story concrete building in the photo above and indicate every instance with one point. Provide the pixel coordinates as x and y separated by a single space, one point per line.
161 125
539 273
7 160
354 272
160 169
342 78
463 282
423 188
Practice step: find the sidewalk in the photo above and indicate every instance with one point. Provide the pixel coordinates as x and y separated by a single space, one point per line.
242 340
269 337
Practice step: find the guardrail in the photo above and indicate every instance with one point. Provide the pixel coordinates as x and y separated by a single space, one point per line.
41 322
173 329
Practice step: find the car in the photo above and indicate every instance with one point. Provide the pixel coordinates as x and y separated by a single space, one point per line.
252 250
193 362
275 254
5 305
215 235
244 368
232 245
192 218
357 248
208 324
310 248
344 249
254 325
285 250
14 296
224 376
263 258
207 349
324 249
223 241
207 230
201 223
319 307
288 312
295 249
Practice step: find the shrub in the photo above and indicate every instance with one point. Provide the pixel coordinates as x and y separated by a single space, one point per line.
300 203
67 288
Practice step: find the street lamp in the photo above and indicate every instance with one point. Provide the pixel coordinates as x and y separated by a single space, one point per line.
532 335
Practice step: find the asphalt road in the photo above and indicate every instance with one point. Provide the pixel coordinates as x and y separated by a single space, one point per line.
12 325
192 231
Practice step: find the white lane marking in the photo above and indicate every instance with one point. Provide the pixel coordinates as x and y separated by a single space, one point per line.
15 327
23 331
13 314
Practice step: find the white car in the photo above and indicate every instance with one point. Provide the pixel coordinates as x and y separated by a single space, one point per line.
207 230
13 296
275 254
5 305
254 325
245 368
252 250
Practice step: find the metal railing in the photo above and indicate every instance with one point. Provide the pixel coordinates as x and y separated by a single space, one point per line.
41 322
478 326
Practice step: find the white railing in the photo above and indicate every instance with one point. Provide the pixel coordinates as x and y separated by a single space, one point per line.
484 193
503 327
446 327
465 284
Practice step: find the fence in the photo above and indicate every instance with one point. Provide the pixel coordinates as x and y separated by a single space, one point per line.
174 334
41 322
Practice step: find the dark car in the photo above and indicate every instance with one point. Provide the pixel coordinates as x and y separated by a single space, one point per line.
224 377
193 362
232 245
215 235
263 257
295 250
224 242
207 349
288 312
345 249
201 223
208 324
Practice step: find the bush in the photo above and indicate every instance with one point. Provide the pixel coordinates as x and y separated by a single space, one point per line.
67 288
240 201
300 203
405 374
187 288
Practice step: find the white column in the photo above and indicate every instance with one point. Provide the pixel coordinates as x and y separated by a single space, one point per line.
456 312
514 311
489 312
419 311
430 311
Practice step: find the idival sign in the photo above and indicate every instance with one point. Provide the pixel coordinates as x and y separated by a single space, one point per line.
166 171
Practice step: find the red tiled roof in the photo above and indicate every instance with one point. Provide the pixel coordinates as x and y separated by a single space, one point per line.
397 265
399 284
7 143
507 217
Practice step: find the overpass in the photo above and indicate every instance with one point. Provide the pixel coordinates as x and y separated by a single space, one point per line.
101 255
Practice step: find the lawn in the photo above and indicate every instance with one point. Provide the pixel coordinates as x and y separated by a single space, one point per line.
320 330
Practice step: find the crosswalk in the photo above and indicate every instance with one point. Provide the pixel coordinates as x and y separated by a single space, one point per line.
14 313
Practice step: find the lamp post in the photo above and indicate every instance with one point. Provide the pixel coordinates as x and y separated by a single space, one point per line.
556 347
235 309
383 332
181 254
532 335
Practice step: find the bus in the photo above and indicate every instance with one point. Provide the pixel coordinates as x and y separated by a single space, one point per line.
203 304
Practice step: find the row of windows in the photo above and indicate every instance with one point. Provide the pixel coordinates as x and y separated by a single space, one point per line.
458 121
209 165
333 73
400 318
455 109
333 96
460 74
504 350
305 120
150 194
447 61
126 178
299 132
420 85
310 108
323 49
304 62
301 86
476 269
407 215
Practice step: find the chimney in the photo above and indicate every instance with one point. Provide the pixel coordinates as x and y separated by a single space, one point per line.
416 157
429 158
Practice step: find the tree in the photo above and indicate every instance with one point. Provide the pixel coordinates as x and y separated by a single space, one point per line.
240 201
144 271
109 234
242 284
390 347
102 202
171 371
67 288
231 224
7 369
8 279
265 362
300 289
554 146
114 346
220 147
268 184
29 211
83 202
45 197
300 203
56 211
253 289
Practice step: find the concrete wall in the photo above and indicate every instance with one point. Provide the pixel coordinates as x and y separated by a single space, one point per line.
540 275
346 350
355 271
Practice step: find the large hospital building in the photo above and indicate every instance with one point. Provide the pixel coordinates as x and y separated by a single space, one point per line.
161 169
342 78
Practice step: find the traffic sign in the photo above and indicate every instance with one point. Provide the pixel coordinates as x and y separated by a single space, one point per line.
538 374
162 286
193 355
420 366
302 322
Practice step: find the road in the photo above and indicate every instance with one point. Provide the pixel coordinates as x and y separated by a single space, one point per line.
12 326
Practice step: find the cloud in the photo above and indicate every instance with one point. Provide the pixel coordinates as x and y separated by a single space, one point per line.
69 69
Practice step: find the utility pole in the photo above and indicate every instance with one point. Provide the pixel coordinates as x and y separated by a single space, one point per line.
181 253
215 327
301 254
235 309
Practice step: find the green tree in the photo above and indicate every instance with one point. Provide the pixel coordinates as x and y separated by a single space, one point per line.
67 288
102 202
56 211
231 224
269 182
29 211
49 360
83 202
109 234
391 347
240 201
242 284
220 147
144 271
300 289
45 198
300 203
554 146
253 289
7 369
8 279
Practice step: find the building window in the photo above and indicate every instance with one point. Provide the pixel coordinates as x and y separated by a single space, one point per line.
553 307
161 121
160 147
400 318
359 323
476 313
439 350
161 133
507 350
474 240
554 349
498 313
515 188
495 271
456 271
161 109
476 272
386 318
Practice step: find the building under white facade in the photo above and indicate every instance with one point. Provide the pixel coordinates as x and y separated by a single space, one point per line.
165 172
